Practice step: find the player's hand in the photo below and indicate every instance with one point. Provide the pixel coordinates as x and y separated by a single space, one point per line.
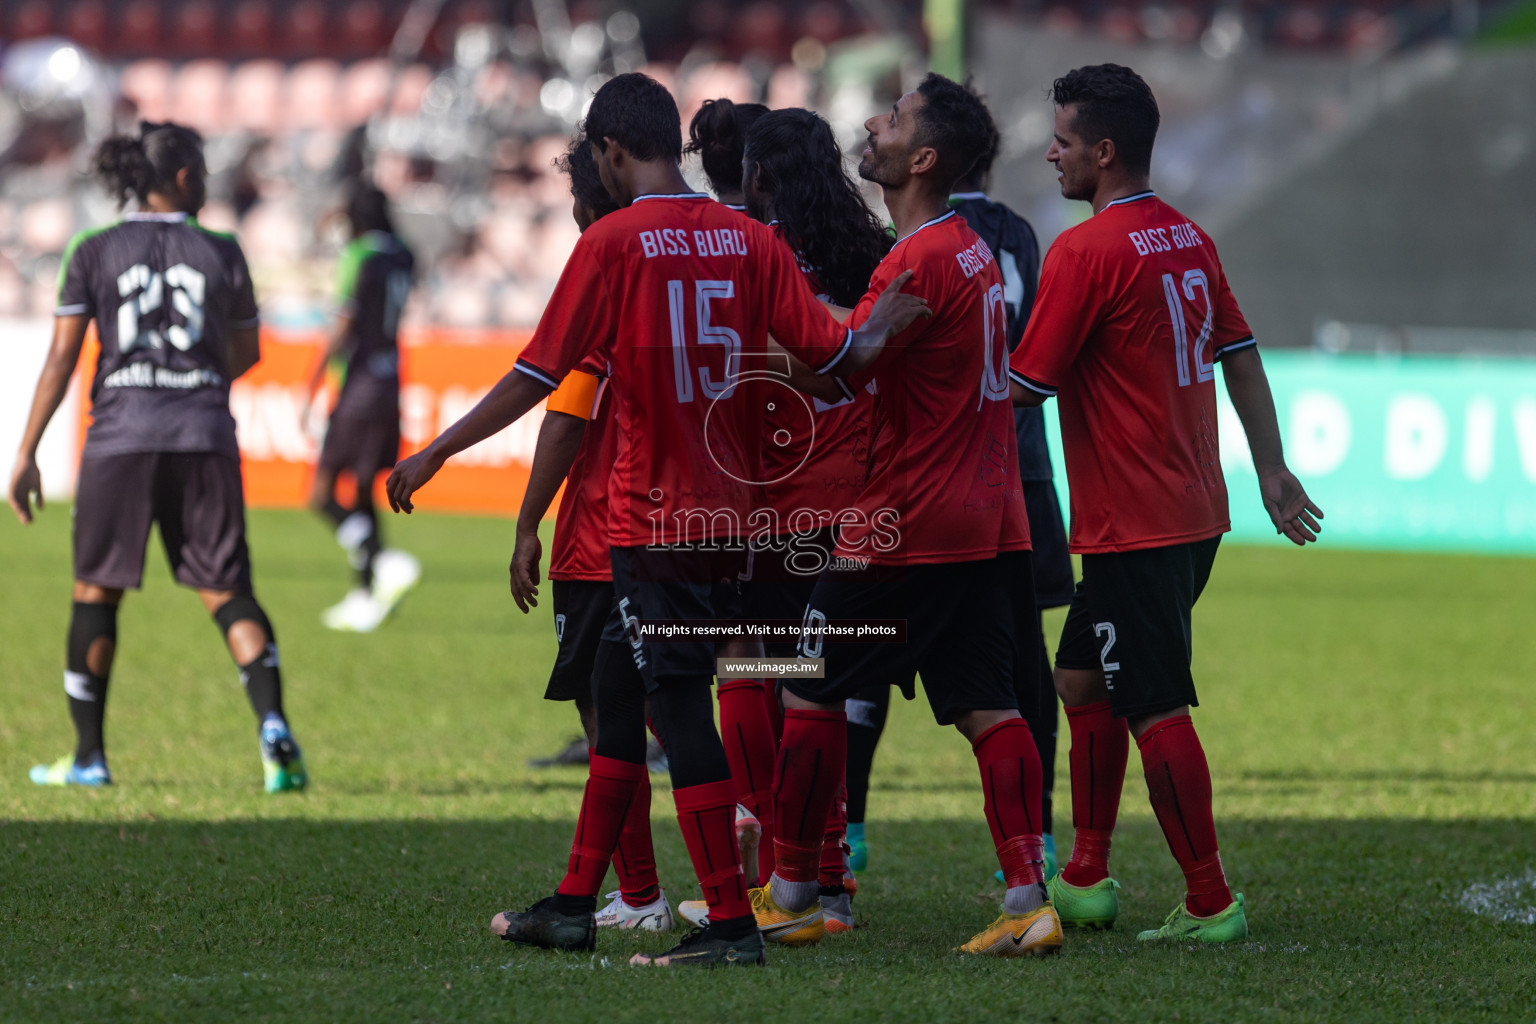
410 476
1294 514
525 570
26 484
895 309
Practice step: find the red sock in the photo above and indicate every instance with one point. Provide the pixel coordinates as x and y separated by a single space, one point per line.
831 871
1010 782
1100 743
775 710
1179 784
611 789
635 860
812 760
749 747
707 815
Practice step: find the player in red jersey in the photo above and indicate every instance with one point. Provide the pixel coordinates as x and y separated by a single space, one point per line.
676 291
937 537
1132 314
817 452
576 446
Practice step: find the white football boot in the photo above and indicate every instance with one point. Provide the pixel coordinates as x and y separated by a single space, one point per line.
653 917
358 612
394 573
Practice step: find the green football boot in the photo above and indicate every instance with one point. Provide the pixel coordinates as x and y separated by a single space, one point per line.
1092 906
282 763
1231 925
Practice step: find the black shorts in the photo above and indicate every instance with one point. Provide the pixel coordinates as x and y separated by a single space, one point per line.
1130 619
365 446
1029 687
661 583
581 608
197 498
1048 535
778 579
959 619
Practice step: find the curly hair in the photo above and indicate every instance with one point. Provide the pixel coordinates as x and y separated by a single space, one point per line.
638 113
820 212
586 184
130 165
1115 103
955 122
718 133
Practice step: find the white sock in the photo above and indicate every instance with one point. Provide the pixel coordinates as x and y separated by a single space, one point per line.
1022 899
793 896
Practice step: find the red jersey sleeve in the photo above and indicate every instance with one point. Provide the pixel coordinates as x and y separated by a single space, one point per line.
797 319
579 320
1231 331
1066 311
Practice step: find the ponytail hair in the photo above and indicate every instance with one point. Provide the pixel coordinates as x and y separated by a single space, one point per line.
136 166
718 133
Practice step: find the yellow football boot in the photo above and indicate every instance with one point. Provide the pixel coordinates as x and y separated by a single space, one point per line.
787 928
1037 933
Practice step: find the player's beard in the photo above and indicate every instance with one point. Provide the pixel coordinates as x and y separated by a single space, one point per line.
873 168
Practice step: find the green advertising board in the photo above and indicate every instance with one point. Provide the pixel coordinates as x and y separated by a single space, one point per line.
1422 453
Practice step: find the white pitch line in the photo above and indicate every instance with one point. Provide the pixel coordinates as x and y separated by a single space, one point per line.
1508 899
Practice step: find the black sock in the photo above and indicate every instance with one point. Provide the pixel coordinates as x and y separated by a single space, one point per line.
575 905
262 676
867 710
334 510
734 928
87 692
358 532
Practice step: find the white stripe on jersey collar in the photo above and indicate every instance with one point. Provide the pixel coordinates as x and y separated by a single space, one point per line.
674 195
963 196
937 220
1148 194
169 218
742 208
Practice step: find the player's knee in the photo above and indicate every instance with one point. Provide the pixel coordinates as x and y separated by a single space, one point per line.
977 721
1077 687
243 608
90 593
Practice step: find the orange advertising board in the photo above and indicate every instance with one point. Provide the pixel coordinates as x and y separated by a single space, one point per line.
444 374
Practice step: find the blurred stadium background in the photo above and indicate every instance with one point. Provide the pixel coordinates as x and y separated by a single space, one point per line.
1364 165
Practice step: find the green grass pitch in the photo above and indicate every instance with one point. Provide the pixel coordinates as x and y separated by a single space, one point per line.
1368 719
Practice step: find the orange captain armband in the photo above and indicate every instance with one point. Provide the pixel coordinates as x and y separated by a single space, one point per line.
578 395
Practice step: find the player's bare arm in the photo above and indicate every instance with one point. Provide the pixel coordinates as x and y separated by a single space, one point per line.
1294 514
892 313
842 313
806 380
560 438
244 350
506 403
1023 397
63 354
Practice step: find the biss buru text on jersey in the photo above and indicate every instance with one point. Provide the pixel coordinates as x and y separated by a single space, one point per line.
1178 236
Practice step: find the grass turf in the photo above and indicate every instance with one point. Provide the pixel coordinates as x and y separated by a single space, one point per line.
1367 718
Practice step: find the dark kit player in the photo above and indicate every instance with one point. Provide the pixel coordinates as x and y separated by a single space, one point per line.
671 288
363 435
176 317
944 459
1132 314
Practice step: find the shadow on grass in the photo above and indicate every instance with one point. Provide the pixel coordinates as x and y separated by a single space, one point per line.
353 919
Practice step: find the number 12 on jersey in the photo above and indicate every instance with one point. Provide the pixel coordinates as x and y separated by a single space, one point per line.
1185 354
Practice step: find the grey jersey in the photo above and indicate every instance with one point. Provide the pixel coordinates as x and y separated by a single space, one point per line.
165 294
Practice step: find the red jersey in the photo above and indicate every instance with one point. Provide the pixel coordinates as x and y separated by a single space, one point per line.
815 454
1132 313
580 548
944 470
680 293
